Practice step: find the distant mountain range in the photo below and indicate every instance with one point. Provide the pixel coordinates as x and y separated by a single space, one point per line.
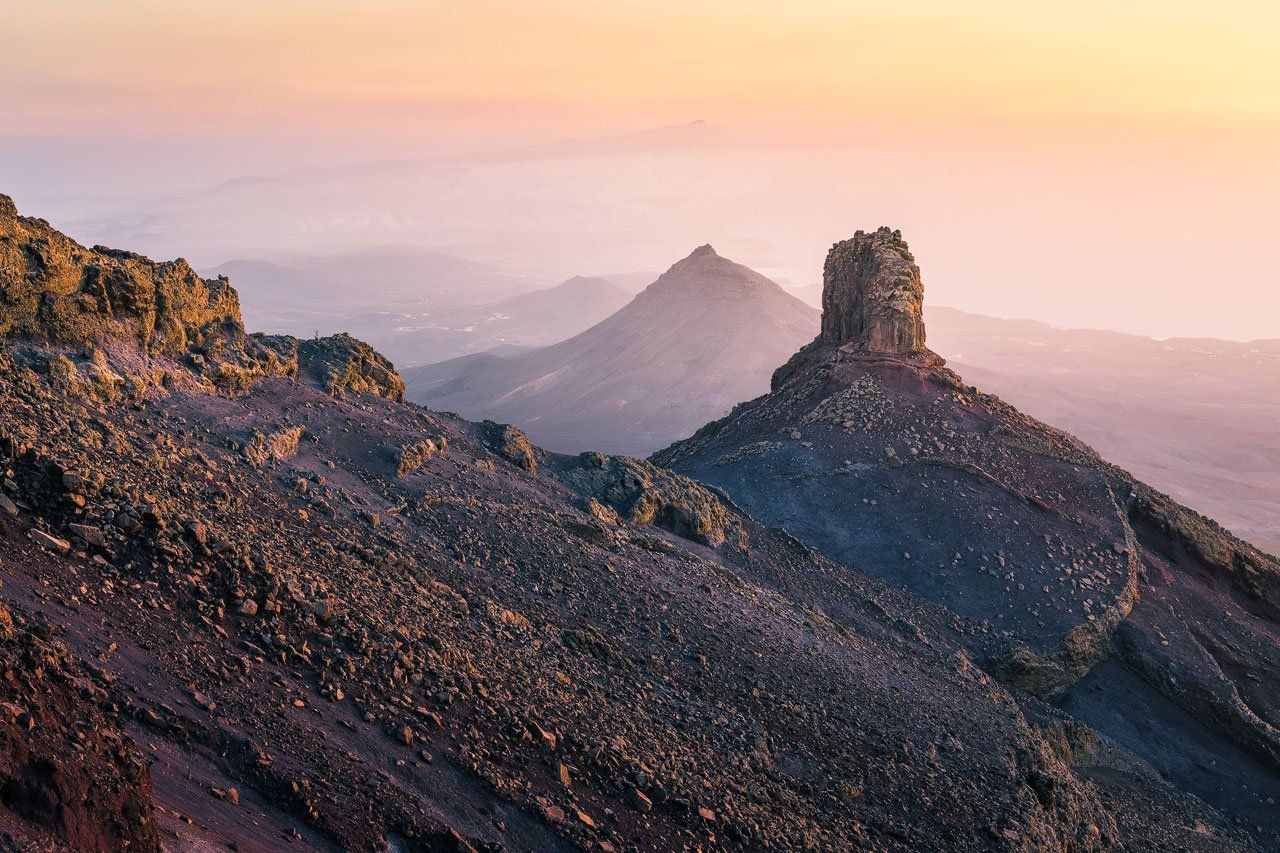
1193 416
704 336
553 314
417 306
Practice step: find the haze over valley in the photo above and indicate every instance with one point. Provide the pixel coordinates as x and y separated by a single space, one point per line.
558 425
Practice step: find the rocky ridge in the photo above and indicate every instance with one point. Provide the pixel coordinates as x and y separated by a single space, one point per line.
336 620
118 324
1074 582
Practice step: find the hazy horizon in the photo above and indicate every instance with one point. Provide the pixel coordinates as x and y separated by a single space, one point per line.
1087 166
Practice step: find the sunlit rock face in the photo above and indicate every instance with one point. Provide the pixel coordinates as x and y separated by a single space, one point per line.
872 296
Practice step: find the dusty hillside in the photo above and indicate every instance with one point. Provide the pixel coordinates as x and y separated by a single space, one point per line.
338 620
1077 583
1194 417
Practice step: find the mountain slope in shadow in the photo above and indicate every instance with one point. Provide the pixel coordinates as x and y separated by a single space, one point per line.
1075 583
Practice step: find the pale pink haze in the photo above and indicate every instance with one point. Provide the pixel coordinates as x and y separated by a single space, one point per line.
1111 165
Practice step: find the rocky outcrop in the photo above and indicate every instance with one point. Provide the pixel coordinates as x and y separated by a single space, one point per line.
265 449
511 444
54 289
872 296
640 492
413 456
80 302
345 365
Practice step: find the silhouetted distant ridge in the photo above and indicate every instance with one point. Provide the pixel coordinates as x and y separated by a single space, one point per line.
701 337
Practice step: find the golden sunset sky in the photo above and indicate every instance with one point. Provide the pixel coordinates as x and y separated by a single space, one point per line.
1164 115
550 66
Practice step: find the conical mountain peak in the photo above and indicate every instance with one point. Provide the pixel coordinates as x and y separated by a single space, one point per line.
704 273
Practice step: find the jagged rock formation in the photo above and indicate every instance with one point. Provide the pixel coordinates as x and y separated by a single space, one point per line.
187 329
705 335
505 648
1071 581
872 296
53 288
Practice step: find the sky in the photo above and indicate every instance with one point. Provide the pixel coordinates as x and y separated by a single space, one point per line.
1086 163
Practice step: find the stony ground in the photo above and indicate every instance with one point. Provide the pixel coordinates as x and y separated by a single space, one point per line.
257 602
1072 581
475 649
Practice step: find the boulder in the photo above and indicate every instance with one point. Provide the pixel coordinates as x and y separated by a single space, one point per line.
51 543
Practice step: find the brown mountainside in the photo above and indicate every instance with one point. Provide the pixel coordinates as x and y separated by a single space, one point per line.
1074 582
339 621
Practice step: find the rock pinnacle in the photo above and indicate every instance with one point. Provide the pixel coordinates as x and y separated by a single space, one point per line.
872 296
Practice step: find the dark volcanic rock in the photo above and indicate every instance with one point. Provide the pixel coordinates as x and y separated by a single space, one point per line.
1071 580
502 648
872 297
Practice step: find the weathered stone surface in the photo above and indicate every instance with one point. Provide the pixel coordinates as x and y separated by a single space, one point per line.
345 365
89 535
59 294
872 296
413 456
264 449
51 543
53 288
640 492
511 444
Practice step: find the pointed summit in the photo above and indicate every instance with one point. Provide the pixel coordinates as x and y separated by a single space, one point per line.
704 336
710 274
872 296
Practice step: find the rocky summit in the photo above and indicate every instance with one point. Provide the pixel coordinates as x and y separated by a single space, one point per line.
872 296
253 600
1087 593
